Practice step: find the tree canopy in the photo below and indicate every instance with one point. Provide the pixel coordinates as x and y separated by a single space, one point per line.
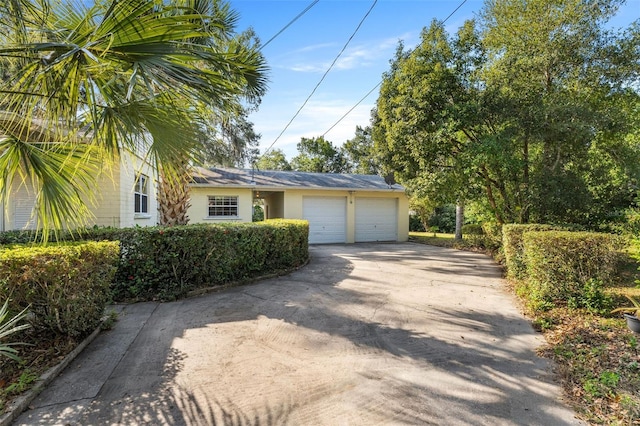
526 111
320 156
81 84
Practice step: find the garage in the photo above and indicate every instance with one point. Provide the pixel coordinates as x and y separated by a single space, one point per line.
376 219
327 218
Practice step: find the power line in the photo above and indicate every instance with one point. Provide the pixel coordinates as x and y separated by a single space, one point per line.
352 108
380 82
313 3
321 79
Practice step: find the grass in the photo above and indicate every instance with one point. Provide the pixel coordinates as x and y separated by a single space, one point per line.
597 358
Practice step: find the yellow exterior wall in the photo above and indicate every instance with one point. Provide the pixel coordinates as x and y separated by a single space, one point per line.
291 201
131 166
106 211
199 210
114 197
274 205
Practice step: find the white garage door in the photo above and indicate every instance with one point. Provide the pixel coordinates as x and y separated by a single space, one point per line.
327 218
376 219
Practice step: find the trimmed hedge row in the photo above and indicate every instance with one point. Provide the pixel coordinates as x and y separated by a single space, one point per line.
571 267
513 247
67 286
167 263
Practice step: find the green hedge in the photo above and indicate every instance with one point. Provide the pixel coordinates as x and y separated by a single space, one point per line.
492 235
512 245
570 267
167 263
67 286
472 229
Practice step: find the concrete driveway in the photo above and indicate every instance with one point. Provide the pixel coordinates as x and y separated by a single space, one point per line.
365 334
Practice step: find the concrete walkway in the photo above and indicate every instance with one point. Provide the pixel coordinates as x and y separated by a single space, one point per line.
366 334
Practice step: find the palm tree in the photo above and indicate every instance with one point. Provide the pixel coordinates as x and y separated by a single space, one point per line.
81 84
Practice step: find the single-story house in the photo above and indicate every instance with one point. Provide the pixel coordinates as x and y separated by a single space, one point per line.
340 208
125 197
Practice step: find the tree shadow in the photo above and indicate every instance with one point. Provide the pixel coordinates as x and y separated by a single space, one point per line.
348 339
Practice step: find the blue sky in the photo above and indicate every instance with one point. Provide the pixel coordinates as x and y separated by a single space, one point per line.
302 53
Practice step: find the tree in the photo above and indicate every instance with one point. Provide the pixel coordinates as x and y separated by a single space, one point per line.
231 141
320 156
564 79
507 113
428 117
360 153
87 83
273 160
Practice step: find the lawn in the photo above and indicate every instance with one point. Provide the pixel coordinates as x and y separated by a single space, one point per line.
597 358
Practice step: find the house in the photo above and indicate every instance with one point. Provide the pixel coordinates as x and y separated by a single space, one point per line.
125 197
340 208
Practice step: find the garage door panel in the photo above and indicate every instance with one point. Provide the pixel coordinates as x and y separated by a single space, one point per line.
376 219
327 218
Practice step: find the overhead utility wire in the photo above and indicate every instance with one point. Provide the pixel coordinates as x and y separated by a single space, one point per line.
380 82
322 79
313 3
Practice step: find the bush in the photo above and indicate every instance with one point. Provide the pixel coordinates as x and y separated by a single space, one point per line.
444 218
415 224
570 267
472 229
67 286
167 263
513 247
492 236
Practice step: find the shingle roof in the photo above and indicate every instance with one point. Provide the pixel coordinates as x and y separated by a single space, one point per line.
280 179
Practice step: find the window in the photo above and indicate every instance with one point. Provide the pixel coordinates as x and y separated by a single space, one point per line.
141 195
223 205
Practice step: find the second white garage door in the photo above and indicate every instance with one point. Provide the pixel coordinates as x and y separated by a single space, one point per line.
327 218
376 219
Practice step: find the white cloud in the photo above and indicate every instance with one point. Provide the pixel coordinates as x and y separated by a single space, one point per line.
359 56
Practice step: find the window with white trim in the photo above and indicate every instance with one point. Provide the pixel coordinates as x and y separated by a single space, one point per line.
223 205
141 194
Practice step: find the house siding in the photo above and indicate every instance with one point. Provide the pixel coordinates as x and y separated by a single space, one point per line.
131 166
112 204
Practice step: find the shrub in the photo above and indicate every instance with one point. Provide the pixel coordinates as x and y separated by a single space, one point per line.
160 263
415 224
492 236
67 286
9 326
444 218
167 263
472 229
513 247
570 267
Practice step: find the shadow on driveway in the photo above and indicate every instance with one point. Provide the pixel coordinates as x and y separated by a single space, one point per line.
364 334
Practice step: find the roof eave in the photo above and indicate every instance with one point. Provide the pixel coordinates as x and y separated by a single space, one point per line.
284 188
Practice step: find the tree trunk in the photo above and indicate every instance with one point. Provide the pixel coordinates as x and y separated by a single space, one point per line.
174 198
459 219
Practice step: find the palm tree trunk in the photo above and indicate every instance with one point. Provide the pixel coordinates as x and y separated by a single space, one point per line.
174 197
